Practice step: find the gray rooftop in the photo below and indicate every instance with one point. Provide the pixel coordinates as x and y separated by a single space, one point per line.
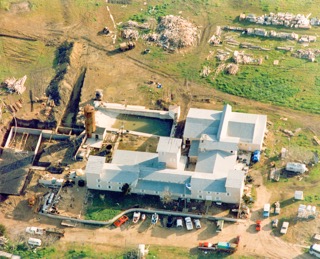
162 187
201 121
95 164
165 175
207 185
125 157
169 145
120 174
217 163
235 179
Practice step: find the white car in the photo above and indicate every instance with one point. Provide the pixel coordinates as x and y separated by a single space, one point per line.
284 228
189 224
197 223
35 230
315 250
179 222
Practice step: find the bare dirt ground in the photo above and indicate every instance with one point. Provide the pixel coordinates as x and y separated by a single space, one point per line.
121 75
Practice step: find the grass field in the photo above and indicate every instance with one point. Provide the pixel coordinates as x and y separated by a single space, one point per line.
112 203
294 83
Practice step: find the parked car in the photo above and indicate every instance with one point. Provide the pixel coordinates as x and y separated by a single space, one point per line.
315 250
220 224
179 222
266 210
255 156
284 228
154 218
274 223
258 225
197 223
123 219
170 221
189 224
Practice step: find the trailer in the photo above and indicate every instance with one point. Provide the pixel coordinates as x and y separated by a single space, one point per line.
219 247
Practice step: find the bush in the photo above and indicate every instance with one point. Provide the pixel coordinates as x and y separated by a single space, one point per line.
3 230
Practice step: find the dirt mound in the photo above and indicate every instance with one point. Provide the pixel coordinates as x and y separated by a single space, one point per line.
174 32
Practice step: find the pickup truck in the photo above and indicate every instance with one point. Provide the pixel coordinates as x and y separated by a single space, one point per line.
284 228
35 230
189 224
266 210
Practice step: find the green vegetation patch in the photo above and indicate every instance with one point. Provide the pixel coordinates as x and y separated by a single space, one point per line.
155 12
101 215
257 85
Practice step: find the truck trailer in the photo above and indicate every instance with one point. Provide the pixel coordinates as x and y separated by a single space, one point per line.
218 247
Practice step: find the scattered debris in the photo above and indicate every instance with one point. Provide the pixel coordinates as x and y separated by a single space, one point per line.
280 19
216 37
174 32
285 48
222 55
309 54
307 212
124 46
251 46
205 71
16 85
240 57
232 69
315 138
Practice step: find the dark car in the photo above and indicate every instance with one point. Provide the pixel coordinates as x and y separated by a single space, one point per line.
170 221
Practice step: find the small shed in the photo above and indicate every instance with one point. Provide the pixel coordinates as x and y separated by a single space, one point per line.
298 195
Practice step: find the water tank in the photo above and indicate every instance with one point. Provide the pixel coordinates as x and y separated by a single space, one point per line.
81 183
90 121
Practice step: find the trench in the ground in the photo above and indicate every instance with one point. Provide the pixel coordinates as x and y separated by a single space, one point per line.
70 115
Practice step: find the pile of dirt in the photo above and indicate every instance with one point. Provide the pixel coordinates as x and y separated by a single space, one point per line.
68 72
174 32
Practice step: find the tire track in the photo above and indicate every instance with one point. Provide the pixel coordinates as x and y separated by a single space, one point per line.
152 70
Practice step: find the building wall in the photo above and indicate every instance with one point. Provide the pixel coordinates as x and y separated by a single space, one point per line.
171 159
250 147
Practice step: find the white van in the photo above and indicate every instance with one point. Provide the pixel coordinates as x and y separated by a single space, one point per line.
34 241
315 250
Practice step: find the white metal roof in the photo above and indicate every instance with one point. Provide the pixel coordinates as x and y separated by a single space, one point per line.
126 157
217 163
210 142
201 121
235 179
95 164
169 145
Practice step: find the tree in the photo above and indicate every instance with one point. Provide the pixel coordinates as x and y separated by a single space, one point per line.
126 189
3 230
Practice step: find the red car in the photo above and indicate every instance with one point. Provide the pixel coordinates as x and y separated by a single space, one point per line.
121 220
258 225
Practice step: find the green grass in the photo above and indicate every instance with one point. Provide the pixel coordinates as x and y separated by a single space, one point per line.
101 214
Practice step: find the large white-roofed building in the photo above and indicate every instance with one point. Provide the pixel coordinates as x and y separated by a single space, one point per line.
215 137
